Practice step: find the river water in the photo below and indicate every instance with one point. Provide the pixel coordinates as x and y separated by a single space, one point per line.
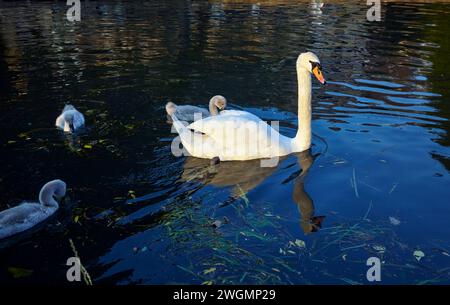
374 184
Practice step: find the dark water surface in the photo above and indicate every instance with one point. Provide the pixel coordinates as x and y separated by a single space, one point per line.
378 169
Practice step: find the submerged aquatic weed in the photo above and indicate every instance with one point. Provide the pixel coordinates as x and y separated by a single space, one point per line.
86 277
354 183
19 272
394 186
255 247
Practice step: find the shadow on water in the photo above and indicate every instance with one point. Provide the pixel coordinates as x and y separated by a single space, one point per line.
220 223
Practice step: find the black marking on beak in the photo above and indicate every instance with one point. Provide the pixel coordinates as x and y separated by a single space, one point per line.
315 64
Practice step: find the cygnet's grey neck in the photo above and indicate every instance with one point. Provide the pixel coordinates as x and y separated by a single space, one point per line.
213 109
50 189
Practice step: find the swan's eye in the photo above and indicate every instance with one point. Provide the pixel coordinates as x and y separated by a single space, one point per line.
315 64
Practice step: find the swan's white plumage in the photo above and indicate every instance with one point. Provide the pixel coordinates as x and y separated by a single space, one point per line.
28 214
67 116
233 135
240 135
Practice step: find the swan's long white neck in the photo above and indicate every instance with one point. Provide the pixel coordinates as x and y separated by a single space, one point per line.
302 140
55 187
213 108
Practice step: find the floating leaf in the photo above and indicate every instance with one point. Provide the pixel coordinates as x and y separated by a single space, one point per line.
75 220
88 146
19 272
210 270
394 221
216 224
379 248
300 243
418 255
132 195
207 283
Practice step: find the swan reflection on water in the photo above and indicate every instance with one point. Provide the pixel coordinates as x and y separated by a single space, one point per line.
309 221
243 176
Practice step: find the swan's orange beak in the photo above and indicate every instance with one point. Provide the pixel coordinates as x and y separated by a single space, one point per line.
319 75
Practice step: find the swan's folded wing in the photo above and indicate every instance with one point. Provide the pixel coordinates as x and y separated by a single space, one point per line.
228 120
20 214
236 133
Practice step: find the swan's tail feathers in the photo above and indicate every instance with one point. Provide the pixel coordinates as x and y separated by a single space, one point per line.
180 126
171 108
187 136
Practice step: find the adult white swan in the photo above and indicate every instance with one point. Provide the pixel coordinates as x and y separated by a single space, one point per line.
239 135
187 112
70 119
28 214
